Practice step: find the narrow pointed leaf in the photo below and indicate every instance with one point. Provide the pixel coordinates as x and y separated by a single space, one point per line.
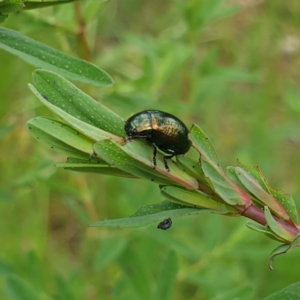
203 145
92 166
231 174
282 249
61 132
256 173
136 158
195 198
193 169
91 161
263 229
154 213
142 152
254 187
56 143
286 200
63 94
90 131
116 157
224 187
276 228
42 56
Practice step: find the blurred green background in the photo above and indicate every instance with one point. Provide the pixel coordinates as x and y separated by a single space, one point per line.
232 67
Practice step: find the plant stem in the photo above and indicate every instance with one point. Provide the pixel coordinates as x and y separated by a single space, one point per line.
83 46
257 215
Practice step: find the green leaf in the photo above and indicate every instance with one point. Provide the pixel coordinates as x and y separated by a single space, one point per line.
54 132
282 249
231 174
43 56
42 135
290 292
286 200
57 93
192 168
194 198
167 277
151 214
90 131
255 188
203 145
142 152
223 186
64 138
94 165
276 228
136 158
116 157
10 6
256 173
264 229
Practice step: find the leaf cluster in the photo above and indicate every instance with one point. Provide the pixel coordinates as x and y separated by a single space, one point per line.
190 187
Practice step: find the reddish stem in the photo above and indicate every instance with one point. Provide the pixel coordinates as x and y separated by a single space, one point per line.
252 212
257 215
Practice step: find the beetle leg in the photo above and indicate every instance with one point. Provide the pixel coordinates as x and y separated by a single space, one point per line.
154 156
165 161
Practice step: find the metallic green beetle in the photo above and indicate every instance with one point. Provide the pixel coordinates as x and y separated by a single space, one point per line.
160 129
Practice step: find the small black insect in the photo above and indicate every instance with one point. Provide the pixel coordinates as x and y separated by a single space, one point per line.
160 129
165 224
